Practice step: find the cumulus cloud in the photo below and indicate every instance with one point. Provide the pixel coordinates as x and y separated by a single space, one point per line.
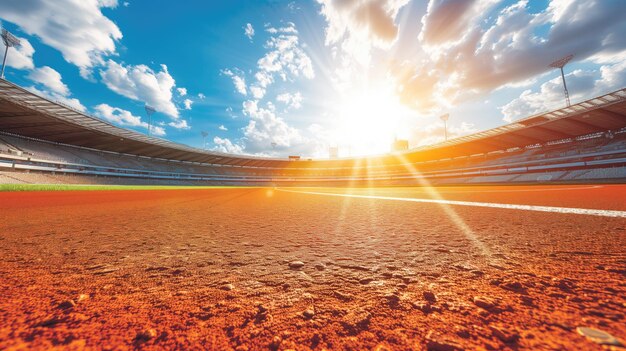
265 129
293 101
50 78
285 56
238 80
222 127
141 83
124 118
482 55
181 91
78 29
448 20
358 33
179 124
225 145
580 83
187 103
373 20
285 61
248 31
19 57
51 86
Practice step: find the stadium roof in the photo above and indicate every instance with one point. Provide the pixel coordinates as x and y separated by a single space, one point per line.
25 113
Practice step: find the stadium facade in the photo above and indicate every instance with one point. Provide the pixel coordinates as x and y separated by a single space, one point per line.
42 141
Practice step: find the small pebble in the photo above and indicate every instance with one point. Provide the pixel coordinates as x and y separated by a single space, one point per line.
296 264
429 296
146 334
67 304
484 302
309 313
423 306
228 287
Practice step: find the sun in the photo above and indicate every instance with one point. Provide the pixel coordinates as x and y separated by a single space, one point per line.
367 121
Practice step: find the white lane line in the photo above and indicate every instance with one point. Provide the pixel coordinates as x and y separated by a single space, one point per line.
582 211
452 191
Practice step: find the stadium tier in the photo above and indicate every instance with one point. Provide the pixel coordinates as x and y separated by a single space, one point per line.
43 141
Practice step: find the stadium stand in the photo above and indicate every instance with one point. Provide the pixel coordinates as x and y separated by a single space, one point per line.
42 141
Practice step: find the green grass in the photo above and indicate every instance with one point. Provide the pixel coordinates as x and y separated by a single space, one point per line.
69 187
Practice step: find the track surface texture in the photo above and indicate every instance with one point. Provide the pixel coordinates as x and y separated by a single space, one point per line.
258 269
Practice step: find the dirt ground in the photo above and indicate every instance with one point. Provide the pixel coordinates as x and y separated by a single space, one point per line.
258 269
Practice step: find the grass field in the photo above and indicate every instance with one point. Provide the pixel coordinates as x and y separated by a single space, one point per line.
69 187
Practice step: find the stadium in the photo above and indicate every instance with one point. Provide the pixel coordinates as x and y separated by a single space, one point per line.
46 142
508 237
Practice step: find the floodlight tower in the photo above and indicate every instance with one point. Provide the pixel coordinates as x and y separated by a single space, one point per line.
150 111
560 63
445 118
9 41
204 135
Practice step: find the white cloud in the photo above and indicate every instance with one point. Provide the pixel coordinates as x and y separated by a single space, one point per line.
229 111
222 127
124 118
179 124
50 78
187 103
290 28
284 60
470 55
371 21
225 145
53 87
143 84
286 57
181 91
19 57
257 92
293 101
248 31
265 129
448 20
357 30
78 29
238 80
201 96
264 79
580 83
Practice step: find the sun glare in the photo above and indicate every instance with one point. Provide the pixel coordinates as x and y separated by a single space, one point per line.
368 120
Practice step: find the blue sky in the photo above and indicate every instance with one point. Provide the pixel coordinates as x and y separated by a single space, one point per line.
279 78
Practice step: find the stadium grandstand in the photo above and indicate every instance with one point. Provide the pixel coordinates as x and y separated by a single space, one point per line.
42 141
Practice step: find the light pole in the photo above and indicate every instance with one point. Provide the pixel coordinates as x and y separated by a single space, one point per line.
150 111
204 135
9 41
560 63
445 118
